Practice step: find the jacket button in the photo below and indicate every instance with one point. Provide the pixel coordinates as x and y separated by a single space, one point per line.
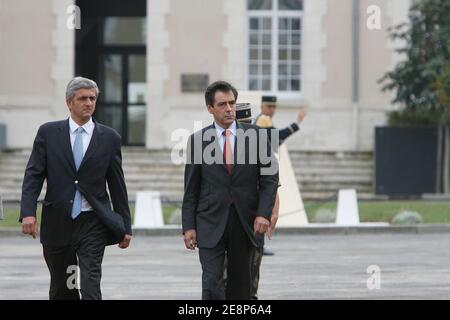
76 181
71 201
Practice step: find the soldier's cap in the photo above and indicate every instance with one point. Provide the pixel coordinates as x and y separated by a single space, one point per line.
244 112
272 99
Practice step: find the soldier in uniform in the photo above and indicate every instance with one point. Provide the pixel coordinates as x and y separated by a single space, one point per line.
244 114
264 120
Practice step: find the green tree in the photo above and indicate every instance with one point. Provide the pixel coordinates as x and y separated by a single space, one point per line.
421 80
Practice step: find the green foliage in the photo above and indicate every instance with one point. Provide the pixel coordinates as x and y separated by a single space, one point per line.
325 215
442 86
407 217
414 118
416 80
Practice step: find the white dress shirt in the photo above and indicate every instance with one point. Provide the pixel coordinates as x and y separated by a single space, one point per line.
221 136
86 136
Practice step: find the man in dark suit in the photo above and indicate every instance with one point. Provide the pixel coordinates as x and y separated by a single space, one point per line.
228 197
77 157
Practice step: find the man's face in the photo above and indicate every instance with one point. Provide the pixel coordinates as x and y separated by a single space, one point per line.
224 109
82 104
268 109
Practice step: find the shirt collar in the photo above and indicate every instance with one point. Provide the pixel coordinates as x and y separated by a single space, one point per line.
88 126
220 130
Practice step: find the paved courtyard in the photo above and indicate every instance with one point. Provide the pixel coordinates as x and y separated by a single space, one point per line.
412 266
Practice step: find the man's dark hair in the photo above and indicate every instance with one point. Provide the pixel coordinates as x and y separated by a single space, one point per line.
222 86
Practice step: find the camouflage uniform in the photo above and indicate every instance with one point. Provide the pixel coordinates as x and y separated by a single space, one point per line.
264 121
255 272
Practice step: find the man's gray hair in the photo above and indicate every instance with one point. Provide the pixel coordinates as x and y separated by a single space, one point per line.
80 83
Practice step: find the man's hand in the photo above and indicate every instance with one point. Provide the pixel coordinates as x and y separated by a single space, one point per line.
273 223
190 239
29 226
301 114
261 225
125 242
274 217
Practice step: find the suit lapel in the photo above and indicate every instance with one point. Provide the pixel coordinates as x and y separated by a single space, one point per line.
93 144
66 145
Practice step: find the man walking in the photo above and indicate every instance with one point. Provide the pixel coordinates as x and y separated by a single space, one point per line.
77 157
227 204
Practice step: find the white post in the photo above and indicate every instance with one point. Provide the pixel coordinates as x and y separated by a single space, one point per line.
292 210
148 211
347 208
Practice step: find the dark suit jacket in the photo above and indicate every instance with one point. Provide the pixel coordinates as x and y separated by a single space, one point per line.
52 160
209 192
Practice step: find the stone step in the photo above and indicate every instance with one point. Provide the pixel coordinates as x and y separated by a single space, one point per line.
128 173
169 181
165 197
332 163
149 161
333 187
153 169
177 197
331 170
138 151
177 193
148 165
9 178
167 184
315 188
18 171
333 178
149 156
20 167
168 152
332 154
155 184
319 174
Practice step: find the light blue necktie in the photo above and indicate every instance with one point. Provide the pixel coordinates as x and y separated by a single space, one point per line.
78 157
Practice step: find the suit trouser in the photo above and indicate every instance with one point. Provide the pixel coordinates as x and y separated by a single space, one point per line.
86 251
236 245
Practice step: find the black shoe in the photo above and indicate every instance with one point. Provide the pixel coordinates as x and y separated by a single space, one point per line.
267 252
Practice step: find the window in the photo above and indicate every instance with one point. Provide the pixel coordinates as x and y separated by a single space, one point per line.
124 31
274 45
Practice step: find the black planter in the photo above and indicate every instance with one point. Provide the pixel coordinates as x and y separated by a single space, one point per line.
405 161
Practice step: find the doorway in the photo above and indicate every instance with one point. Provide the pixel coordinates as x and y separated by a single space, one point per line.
111 49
